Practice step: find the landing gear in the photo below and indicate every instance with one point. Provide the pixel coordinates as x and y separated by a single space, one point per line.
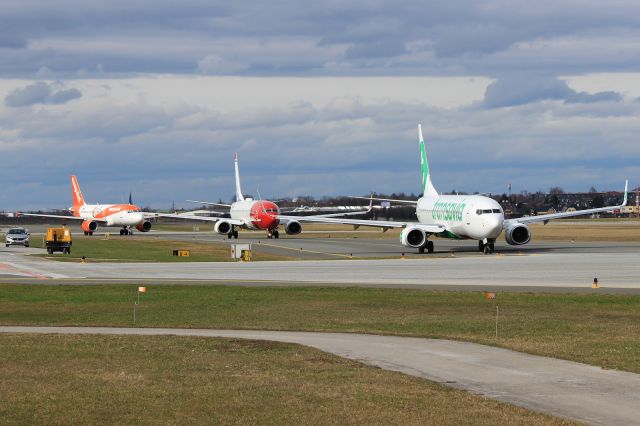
276 234
486 248
89 233
273 233
233 233
125 231
428 247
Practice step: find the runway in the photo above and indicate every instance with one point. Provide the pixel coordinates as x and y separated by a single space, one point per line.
561 388
614 265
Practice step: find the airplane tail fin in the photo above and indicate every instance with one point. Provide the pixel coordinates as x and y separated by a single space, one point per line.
239 196
427 187
78 199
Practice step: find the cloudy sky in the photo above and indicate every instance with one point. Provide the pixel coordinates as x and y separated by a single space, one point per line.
155 96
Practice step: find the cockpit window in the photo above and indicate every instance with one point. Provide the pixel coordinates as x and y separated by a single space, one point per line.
487 211
478 212
496 210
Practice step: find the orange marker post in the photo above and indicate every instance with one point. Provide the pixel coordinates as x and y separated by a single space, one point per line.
135 305
490 295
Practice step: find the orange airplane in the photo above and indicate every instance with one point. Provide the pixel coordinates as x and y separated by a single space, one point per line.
127 216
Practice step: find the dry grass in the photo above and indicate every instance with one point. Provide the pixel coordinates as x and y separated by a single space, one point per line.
147 249
187 380
617 231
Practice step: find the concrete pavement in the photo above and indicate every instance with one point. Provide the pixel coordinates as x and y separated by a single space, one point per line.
562 388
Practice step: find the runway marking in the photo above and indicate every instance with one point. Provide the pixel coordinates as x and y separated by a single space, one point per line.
12 269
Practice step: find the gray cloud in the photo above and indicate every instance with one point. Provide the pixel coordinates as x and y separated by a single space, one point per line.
40 93
525 88
370 37
173 152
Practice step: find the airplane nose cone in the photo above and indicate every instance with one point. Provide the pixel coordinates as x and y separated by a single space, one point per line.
494 225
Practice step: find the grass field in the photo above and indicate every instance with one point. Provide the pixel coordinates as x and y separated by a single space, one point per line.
602 330
186 380
145 249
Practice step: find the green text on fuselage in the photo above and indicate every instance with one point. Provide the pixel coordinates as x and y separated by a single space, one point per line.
443 210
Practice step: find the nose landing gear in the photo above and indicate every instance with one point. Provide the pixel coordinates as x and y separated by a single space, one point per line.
487 247
125 231
273 234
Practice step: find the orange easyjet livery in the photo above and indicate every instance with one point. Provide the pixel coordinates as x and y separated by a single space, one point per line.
128 216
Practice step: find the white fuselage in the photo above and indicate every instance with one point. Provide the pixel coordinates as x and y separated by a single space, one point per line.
464 216
241 210
255 214
113 214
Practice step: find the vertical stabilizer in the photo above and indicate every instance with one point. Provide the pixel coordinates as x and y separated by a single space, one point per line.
427 187
239 196
78 199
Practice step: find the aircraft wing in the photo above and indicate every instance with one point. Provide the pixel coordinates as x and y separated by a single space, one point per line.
356 223
200 218
547 217
208 203
385 199
59 216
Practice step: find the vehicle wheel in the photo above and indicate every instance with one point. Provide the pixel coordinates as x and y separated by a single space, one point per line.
487 250
276 234
26 245
480 246
430 246
235 234
6 245
421 250
492 247
50 251
86 233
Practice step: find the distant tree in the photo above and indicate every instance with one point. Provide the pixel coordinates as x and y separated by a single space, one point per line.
597 201
556 190
592 190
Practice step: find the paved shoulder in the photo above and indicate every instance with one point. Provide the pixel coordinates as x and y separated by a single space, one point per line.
558 387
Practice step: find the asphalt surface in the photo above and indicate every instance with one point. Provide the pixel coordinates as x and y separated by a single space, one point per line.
561 388
563 269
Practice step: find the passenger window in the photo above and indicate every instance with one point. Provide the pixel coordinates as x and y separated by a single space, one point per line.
478 212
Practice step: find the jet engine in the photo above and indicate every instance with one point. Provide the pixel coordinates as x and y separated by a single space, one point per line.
293 228
517 234
222 227
413 237
144 226
89 225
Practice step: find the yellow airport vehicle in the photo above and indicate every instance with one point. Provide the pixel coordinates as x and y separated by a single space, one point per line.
58 239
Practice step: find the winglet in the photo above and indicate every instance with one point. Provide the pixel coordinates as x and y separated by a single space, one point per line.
239 196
